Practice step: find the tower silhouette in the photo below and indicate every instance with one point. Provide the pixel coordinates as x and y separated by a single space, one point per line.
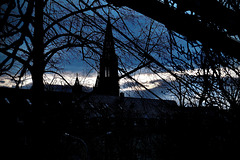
107 80
77 87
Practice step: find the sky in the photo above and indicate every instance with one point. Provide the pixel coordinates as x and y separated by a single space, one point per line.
87 75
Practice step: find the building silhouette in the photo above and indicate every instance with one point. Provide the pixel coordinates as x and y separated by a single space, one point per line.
77 87
107 80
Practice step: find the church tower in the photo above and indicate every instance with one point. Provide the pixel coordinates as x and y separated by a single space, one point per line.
77 88
107 80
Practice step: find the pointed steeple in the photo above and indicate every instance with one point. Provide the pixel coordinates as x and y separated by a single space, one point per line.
77 83
77 88
107 81
108 45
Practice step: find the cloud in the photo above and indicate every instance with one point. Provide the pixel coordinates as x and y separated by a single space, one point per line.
156 83
160 89
5 81
149 80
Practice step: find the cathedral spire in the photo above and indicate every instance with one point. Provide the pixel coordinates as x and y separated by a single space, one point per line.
108 41
107 81
77 88
77 83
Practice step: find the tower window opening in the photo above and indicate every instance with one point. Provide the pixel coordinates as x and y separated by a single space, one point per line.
107 72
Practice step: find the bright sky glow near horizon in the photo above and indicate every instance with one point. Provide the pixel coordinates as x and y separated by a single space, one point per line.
147 79
151 81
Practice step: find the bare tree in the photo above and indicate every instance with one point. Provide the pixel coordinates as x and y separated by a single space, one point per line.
35 35
204 73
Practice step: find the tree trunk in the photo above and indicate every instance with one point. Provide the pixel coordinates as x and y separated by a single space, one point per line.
37 86
38 56
37 128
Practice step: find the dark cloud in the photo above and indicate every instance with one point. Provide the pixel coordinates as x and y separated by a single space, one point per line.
128 85
2 81
160 90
